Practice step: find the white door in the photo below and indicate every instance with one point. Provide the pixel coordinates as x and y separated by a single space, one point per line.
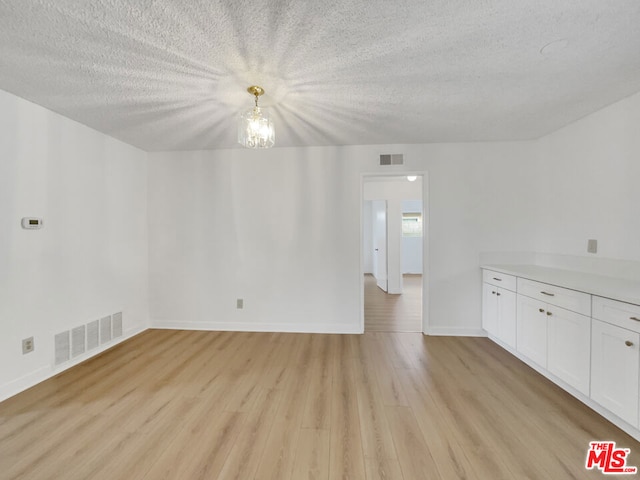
379 210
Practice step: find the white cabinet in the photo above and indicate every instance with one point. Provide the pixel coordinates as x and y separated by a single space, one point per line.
625 315
532 329
569 347
575 330
615 361
554 330
508 282
615 357
573 300
499 306
556 339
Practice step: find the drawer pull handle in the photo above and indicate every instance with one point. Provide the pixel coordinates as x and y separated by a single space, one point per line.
628 343
493 293
549 294
541 310
549 314
497 279
498 294
634 318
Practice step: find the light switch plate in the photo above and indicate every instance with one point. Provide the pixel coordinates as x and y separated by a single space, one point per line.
592 246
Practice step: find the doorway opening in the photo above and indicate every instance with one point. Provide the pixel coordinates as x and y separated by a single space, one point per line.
394 237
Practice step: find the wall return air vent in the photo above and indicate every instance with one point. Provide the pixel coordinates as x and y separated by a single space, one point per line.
84 338
392 159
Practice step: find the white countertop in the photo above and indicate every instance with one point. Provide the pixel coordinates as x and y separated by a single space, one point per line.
609 287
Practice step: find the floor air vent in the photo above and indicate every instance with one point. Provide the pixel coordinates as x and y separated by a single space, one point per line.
79 340
392 159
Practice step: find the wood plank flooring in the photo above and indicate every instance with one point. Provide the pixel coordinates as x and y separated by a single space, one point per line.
223 405
393 313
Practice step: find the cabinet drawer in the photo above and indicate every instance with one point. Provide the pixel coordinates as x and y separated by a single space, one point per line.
579 302
499 279
625 315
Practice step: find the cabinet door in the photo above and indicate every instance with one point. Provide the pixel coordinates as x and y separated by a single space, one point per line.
614 369
532 329
569 347
507 317
490 308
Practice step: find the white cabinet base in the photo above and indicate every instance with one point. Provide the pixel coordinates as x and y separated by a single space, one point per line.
599 409
580 331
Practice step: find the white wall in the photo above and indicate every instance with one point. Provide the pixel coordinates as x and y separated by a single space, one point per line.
296 263
586 178
280 228
89 260
589 185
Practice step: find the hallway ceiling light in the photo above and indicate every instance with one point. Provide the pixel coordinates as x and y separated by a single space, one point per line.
255 128
412 178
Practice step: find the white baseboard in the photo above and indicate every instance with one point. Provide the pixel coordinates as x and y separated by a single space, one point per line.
23 383
455 332
259 327
43 373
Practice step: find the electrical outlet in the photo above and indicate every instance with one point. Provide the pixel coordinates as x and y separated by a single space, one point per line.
239 303
592 246
28 345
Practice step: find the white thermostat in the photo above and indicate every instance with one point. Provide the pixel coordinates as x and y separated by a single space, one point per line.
31 223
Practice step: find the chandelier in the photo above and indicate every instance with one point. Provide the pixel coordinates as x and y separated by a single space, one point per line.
255 128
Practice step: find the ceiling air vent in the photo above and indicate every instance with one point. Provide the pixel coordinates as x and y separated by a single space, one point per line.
392 159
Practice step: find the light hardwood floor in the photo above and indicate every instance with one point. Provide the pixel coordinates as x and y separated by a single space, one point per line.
393 313
223 405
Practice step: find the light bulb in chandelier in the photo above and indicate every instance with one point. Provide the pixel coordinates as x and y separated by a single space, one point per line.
255 127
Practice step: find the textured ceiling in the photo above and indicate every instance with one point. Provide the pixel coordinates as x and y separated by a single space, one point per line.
172 74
